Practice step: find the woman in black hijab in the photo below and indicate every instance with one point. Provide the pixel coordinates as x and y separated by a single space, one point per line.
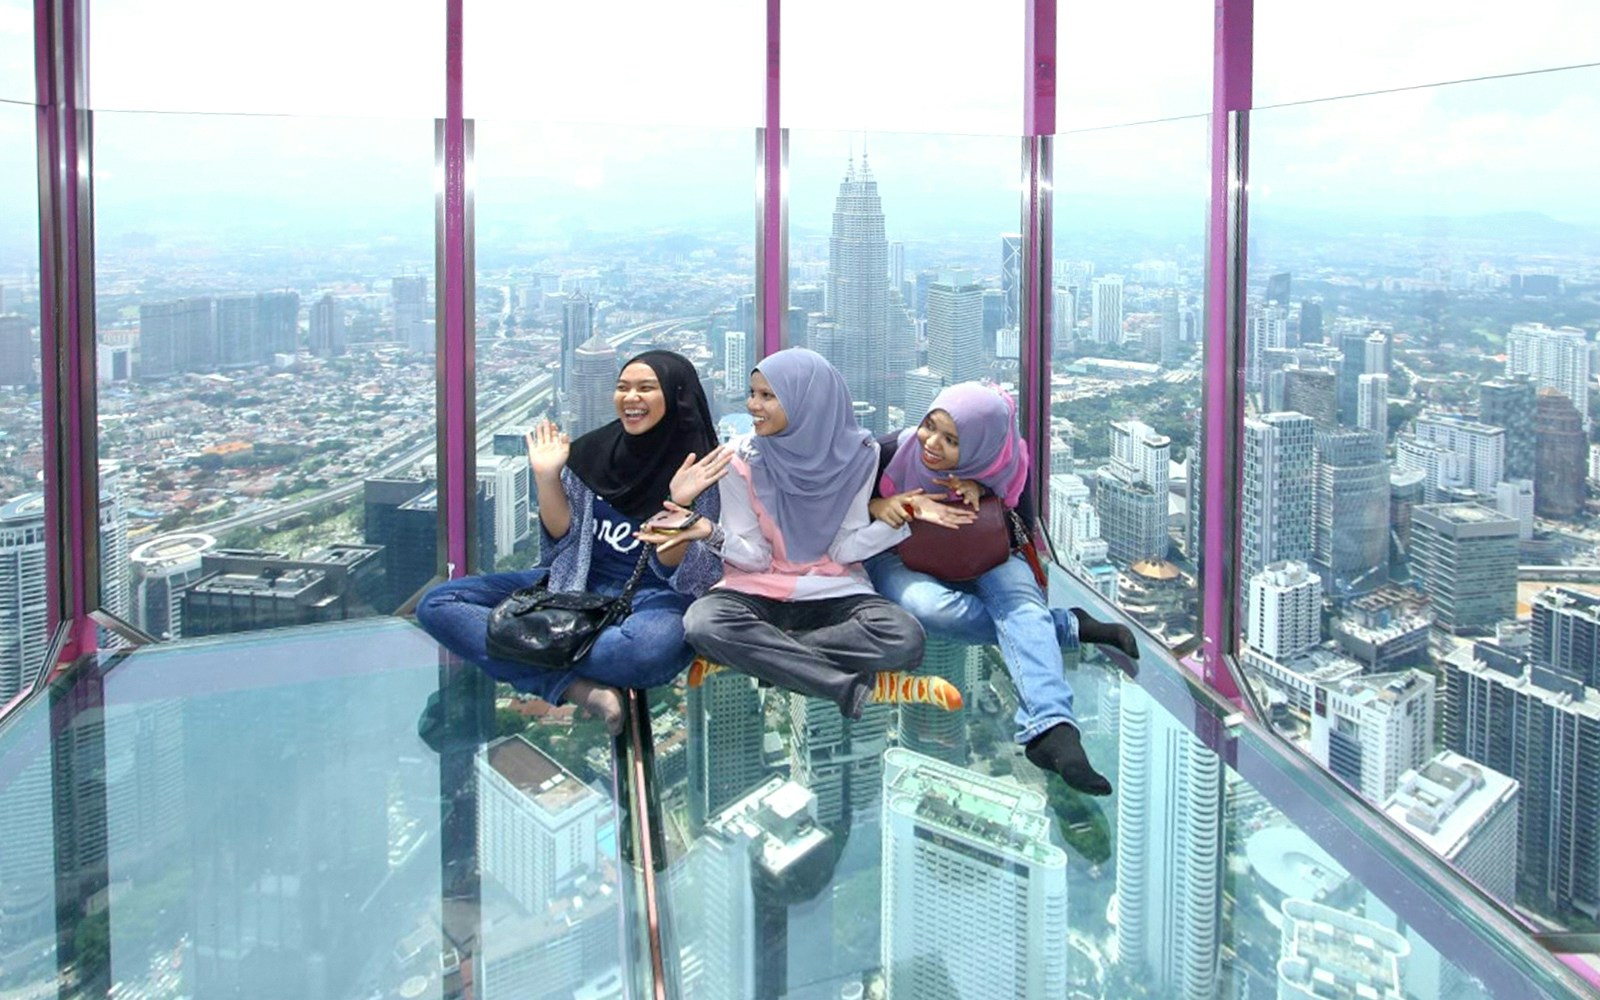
594 494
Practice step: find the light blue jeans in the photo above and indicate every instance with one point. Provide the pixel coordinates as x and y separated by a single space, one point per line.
1003 607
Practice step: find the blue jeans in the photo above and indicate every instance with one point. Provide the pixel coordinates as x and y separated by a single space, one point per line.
1003 607
645 650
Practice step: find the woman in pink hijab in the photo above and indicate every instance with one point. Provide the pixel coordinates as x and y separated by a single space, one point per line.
968 445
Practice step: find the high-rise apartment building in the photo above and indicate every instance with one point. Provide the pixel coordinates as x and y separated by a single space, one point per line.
1278 494
839 759
1464 557
1482 448
1131 493
1561 456
1106 308
239 339
277 324
1543 730
1369 730
736 362
955 328
1003 933
1509 403
23 639
1075 530
506 480
1466 813
1372 403
857 284
1514 498
1556 359
1169 852
1285 611
1565 632
1350 509
176 337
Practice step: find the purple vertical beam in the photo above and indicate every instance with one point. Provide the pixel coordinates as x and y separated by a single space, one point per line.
59 77
454 488
1038 130
1223 403
774 311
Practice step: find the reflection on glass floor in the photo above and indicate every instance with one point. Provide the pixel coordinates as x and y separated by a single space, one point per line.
329 813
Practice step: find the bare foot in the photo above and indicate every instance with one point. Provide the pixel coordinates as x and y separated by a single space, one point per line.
599 700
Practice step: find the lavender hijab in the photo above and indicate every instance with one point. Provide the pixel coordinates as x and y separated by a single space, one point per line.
808 474
992 450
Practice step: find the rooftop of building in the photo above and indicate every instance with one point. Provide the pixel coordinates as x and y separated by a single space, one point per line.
1566 693
1445 800
1337 955
1293 864
537 775
1388 689
991 812
1463 513
779 816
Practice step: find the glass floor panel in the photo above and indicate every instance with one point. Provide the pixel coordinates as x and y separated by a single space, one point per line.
339 812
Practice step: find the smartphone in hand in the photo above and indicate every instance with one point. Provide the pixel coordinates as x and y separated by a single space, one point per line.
670 522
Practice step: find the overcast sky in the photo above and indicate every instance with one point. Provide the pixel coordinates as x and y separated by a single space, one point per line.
666 133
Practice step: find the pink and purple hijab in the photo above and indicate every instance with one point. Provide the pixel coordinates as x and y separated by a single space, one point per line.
993 451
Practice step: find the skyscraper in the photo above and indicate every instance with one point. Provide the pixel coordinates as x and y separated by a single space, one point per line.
726 729
858 277
736 359
1541 729
277 324
506 481
16 351
1509 403
409 300
1010 278
839 759
955 327
23 638
1107 308
1003 934
1481 446
1464 557
327 327
1355 355
1560 456
1278 503
593 384
1466 813
577 327
1351 511
238 331
163 568
176 337
930 730
1169 853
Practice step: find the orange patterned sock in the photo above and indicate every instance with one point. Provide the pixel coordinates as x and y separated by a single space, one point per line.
897 687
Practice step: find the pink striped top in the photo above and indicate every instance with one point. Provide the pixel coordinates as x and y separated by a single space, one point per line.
753 551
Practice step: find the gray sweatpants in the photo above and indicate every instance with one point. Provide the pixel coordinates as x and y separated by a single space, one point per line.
825 649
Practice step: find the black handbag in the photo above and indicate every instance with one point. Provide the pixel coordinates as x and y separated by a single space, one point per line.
554 629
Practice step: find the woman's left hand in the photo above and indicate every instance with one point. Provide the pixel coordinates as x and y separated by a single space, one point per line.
694 478
968 489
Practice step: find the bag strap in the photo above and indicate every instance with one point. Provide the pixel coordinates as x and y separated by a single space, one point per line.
638 571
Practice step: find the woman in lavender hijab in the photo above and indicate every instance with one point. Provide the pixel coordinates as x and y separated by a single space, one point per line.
968 445
795 607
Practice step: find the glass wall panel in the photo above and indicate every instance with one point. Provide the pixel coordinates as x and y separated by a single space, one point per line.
28 863
23 607
593 247
1123 63
613 63
354 57
1128 328
265 355
16 50
1419 528
940 66
1308 51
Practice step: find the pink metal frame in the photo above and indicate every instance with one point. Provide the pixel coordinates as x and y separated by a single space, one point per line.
455 492
1038 130
775 306
1223 418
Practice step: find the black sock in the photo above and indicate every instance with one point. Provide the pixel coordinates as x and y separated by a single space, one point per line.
1060 749
1091 629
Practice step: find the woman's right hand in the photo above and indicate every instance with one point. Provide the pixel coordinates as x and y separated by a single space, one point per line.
945 515
548 448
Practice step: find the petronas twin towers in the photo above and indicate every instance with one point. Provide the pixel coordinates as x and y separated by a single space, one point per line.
858 294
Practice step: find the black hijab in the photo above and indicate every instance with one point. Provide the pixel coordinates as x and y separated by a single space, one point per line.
633 472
